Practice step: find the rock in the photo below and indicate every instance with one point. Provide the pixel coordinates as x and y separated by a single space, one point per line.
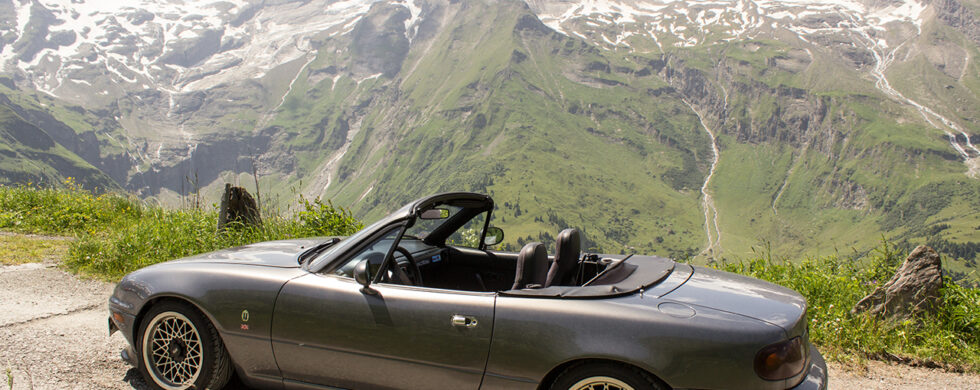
237 205
187 52
378 41
912 291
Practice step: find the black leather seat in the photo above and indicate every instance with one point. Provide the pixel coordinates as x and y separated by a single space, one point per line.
567 252
532 266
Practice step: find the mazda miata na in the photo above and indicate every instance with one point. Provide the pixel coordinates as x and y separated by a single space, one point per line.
417 300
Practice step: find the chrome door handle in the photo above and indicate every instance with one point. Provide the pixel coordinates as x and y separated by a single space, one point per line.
464 321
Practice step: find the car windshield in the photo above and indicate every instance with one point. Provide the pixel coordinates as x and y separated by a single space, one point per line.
349 241
467 235
423 227
459 224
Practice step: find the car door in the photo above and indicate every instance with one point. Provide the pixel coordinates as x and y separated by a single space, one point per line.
327 331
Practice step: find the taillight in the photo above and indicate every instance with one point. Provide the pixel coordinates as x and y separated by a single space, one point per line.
781 360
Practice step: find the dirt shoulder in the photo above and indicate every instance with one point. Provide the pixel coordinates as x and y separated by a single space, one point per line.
54 335
881 375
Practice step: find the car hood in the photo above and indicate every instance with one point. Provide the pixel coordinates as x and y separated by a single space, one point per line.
742 295
284 253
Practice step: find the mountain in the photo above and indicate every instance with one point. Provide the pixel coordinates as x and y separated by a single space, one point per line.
30 155
703 129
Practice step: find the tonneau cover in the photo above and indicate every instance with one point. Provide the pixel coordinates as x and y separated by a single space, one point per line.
643 273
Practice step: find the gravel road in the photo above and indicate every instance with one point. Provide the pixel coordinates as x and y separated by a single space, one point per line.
54 335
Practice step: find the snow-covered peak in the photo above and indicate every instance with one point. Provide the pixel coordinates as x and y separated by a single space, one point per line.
692 22
168 45
76 49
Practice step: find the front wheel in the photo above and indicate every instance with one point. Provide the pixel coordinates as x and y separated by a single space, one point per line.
180 349
605 376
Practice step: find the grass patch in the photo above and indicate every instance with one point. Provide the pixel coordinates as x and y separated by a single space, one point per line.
832 285
115 235
19 249
68 211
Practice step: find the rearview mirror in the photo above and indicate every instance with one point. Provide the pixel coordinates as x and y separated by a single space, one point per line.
362 274
495 235
435 214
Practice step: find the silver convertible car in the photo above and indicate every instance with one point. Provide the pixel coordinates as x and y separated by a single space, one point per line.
418 301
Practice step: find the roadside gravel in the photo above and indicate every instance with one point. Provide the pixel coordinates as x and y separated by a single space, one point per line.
54 334
881 375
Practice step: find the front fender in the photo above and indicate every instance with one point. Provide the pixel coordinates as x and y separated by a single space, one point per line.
238 300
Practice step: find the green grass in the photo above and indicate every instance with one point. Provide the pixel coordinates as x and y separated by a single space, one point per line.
20 249
115 234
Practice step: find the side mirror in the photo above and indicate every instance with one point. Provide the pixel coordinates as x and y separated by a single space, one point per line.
435 214
362 274
495 235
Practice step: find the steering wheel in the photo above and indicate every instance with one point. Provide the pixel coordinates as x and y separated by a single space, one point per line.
414 276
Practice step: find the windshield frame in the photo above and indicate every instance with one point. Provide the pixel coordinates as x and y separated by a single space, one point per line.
346 245
408 214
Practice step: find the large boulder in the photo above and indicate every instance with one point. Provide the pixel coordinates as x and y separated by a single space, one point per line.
912 291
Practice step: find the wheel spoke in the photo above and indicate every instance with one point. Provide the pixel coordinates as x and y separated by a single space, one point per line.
600 383
174 353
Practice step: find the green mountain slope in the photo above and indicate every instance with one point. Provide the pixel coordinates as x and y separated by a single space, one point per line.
556 151
813 158
29 155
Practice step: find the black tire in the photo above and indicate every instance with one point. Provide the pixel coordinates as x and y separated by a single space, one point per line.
605 376
189 351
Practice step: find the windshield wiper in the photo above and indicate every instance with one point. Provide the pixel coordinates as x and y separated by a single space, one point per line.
316 250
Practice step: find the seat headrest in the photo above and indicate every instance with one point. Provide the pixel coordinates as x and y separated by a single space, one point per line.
563 271
569 243
532 266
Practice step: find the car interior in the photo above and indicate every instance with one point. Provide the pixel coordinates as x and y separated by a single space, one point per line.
442 250
469 269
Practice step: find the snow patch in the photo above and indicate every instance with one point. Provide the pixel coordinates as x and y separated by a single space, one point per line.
146 25
733 17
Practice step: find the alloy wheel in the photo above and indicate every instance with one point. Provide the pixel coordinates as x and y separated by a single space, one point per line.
172 351
600 383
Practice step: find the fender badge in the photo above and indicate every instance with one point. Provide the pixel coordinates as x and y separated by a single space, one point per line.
244 315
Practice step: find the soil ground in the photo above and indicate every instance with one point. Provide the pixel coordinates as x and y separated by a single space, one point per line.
54 335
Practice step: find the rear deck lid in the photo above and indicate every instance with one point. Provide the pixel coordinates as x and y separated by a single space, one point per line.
742 295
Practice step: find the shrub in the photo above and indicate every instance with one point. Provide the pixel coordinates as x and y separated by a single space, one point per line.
319 219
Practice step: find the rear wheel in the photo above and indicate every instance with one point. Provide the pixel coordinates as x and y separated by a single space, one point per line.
605 376
180 349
